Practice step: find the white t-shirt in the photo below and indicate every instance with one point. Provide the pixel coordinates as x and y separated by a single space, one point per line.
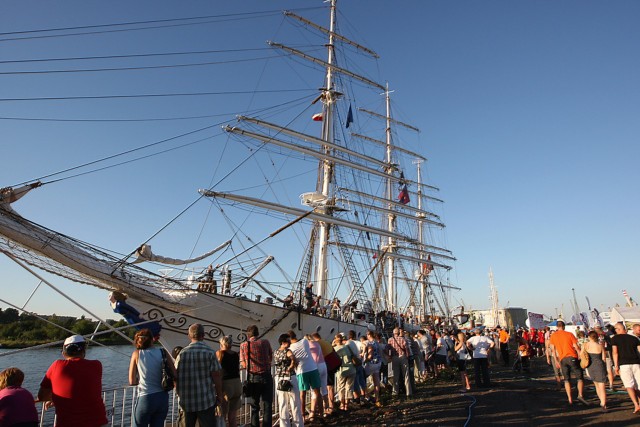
481 345
302 352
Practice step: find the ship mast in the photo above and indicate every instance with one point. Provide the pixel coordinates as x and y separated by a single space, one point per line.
495 305
392 296
328 99
423 278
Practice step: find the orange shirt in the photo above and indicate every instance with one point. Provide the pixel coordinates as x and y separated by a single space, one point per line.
504 336
563 342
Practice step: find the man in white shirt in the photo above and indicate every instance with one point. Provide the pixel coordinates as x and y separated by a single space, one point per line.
481 345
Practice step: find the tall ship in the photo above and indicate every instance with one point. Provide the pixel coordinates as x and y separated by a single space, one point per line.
317 216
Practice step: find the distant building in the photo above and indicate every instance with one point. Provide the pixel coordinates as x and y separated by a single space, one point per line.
510 317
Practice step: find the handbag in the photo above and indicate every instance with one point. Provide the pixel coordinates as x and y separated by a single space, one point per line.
585 359
284 385
168 382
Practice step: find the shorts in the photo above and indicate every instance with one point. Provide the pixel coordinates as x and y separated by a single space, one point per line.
630 375
372 368
462 365
569 365
309 380
441 359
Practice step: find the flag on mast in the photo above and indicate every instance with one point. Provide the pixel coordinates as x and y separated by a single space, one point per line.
403 197
317 117
349 117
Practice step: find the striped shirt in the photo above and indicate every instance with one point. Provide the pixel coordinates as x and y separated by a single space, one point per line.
195 387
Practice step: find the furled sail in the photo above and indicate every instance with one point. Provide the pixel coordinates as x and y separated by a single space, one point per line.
144 254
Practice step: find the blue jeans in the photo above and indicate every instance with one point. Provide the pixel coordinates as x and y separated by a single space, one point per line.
360 384
151 410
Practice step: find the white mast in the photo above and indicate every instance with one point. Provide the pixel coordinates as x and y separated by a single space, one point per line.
392 297
423 278
495 306
328 99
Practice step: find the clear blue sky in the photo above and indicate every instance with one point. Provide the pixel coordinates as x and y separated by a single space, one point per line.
528 110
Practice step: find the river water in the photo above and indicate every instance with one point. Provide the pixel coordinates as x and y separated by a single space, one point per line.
34 364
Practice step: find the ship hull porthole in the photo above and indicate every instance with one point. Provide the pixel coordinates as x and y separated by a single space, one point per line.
293 325
318 328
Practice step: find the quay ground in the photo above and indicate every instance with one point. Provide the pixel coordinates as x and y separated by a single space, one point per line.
515 399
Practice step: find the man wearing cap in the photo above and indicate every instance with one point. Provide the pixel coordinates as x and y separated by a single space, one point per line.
74 386
199 383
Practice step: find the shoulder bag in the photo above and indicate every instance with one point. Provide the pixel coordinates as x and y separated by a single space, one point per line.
168 382
585 360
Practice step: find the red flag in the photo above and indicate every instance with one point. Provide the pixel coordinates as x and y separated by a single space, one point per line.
427 268
317 117
403 197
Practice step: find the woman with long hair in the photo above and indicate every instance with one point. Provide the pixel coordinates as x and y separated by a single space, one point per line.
597 366
231 385
145 371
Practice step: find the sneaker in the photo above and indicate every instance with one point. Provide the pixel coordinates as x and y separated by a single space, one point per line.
378 404
581 400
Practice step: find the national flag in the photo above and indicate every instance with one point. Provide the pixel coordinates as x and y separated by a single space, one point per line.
349 117
403 197
427 267
317 117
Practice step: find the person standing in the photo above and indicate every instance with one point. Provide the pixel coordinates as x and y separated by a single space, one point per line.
399 352
199 382
231 385
256 356
597 367
503 338
565 346
626 361
17 407
74 385
346 372
480 345
289 403
463 355
145 371
307 374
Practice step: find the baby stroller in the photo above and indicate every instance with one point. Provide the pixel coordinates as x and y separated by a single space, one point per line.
523 355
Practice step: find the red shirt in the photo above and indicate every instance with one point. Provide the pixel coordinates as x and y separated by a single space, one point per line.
76 386
261 356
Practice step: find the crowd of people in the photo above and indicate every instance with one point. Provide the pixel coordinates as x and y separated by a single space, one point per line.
312 378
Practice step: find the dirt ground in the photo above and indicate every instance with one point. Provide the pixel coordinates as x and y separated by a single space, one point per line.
513 399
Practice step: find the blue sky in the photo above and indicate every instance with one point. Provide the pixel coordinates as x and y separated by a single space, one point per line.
528 111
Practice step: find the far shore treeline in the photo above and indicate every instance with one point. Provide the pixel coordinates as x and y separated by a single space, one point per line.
26 330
